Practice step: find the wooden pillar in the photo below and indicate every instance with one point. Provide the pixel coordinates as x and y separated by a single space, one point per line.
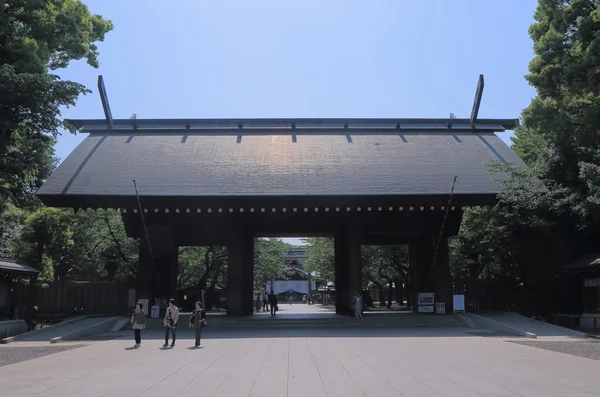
340 273
422 258
433 278
145 271
348 270
157 269
441 279
240 273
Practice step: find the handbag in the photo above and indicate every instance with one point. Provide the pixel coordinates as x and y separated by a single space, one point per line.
203 324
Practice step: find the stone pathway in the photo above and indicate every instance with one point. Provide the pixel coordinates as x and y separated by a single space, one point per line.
378 363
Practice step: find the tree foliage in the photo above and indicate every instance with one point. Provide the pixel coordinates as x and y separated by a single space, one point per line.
320 252
269 260
89 246
549 214
37 37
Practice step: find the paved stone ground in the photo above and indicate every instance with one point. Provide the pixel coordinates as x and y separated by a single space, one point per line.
368 362
584 348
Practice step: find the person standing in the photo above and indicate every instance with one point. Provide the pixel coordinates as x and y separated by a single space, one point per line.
265 302
258 303
273 303
198 321
138 319
170 322
358 306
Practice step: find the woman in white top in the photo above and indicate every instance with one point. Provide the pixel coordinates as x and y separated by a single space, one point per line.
358 305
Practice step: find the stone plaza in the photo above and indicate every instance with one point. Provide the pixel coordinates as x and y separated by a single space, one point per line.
363 360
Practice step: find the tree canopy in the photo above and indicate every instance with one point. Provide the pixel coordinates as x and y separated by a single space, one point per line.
521 244
36 38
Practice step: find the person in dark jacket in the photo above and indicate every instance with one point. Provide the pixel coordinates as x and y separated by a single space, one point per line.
198 321
273 303
138 319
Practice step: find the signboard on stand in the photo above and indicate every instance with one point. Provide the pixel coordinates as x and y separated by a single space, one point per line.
155 311
425 302
426 298
440 308
458 302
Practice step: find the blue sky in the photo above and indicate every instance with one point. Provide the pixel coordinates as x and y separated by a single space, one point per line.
307 58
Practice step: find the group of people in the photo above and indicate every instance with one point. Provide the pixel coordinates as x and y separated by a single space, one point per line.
198 319
171 319
264 300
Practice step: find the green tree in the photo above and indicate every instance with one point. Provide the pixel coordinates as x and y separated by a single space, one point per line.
269 262
11 220
103 249
559 137
385 267
320 252
202 267
519 245
47 238
37 37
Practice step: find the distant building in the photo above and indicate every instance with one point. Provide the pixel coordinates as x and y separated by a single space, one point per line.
296 258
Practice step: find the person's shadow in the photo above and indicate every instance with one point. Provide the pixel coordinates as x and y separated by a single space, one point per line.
195 348
131 348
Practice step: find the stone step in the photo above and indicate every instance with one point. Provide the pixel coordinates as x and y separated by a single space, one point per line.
318 321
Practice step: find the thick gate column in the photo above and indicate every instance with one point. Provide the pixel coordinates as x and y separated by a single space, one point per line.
441 279
421 256
348 270
145 271
157 268
429 278
240 273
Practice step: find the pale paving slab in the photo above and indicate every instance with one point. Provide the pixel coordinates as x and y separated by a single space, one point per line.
332 363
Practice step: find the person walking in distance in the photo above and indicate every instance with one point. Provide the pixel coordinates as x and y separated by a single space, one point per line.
273 303
138 319
170 322
358 306
198 322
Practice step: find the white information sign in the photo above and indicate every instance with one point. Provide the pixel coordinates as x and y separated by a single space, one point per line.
458 302
426 298
425 309
155 311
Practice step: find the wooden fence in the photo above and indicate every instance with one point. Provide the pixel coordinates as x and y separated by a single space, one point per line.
78 297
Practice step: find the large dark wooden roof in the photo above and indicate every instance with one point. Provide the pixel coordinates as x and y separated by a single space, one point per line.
190 161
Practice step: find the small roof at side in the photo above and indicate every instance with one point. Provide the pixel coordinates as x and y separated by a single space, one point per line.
10 266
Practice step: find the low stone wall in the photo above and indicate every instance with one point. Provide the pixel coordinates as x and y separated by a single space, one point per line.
12 328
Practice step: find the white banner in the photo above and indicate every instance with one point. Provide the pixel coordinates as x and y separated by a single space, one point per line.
155 311
425 298
285 286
